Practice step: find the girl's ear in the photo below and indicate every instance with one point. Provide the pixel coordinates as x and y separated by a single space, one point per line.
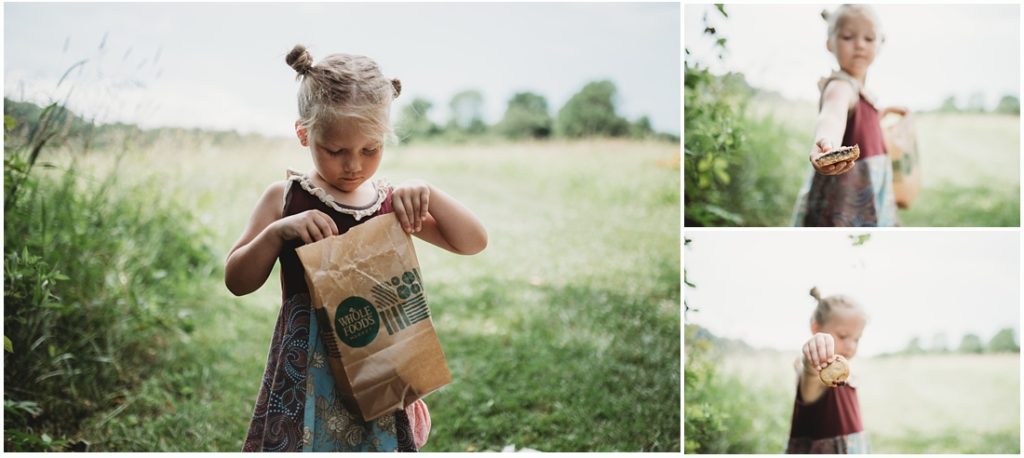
302 133
828 46
814 327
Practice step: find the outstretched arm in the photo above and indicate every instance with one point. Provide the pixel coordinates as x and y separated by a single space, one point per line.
828 132
434 216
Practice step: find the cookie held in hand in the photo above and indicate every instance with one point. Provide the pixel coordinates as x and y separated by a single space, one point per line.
846 153
835 373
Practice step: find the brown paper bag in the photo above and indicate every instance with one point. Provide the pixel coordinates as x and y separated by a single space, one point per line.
371 309
900 139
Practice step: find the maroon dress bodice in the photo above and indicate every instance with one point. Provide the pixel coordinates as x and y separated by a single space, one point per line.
863 127
835 413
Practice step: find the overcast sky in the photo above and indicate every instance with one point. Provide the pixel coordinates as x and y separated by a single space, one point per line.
222 65
931 51
753 285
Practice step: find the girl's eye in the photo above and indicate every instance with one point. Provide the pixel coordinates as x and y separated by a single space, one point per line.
370 151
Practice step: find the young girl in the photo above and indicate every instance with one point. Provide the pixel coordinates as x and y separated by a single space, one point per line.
827 419
344 106
849 193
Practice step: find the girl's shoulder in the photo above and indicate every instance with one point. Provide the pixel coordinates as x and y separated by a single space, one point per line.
839 84
847 81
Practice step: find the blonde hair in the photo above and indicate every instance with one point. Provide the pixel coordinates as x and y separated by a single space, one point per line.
828 306
344 86
836 18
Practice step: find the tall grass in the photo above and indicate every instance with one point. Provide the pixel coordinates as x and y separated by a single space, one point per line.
98 281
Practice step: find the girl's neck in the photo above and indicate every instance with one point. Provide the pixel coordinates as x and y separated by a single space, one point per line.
861 78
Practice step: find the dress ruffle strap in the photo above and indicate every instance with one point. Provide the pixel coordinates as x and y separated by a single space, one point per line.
380 185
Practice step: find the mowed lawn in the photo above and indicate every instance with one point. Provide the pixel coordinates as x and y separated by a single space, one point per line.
970 163
909 404
562 336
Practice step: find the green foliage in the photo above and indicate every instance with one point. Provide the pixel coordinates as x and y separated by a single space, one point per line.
591 112
641 129
722 414
527 116
914 347
97 279
859 239
414 123
739 168
1004 342
1008 105
971 343
949 105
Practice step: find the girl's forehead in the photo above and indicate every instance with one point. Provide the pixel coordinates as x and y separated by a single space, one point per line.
857 23
848 320
342 132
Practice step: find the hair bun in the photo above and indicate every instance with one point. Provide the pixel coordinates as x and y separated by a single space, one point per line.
815 294
397 85
299 59
824 14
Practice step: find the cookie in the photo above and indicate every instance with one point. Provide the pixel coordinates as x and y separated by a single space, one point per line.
835 373
846 153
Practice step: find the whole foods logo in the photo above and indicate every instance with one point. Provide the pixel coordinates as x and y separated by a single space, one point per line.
401 301
356 322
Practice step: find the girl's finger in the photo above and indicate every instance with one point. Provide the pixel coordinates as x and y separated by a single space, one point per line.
304 235
331 224
402 212
822 357
314 231
323 225
425 206
814 354
415 198
410 212
807 354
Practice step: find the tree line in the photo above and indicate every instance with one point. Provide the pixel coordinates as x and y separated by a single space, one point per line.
591 112
1003 341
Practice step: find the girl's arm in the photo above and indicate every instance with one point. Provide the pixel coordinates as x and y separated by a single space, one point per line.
828 131
818 352
252 258
438 218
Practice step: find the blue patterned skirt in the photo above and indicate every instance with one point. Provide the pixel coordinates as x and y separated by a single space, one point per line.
297 408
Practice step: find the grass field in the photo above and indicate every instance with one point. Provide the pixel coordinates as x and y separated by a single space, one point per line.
970 164
562 335
909 404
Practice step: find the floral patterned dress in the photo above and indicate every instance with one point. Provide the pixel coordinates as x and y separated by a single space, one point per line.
297 409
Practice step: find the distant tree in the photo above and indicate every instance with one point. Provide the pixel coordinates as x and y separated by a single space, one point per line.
976 103
591 112
1003 342
1009 105
467 111
641 128
914 346
940 343
527 116
414 123
971 344
949 105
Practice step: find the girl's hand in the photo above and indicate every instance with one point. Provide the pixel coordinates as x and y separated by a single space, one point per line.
310 226
902 111
819 351
820 148
410 202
